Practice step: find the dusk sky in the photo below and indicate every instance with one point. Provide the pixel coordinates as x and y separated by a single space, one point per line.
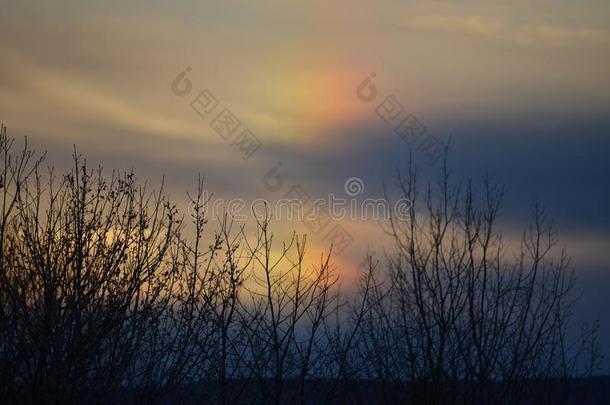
520 90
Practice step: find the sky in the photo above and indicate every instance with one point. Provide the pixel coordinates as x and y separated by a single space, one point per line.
520 90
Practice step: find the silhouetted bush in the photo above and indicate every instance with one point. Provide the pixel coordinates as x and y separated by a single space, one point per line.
104 299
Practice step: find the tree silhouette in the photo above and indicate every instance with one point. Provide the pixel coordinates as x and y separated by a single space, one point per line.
104 298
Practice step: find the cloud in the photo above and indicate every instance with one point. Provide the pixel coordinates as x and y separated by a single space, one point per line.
513 31
557 35
471 25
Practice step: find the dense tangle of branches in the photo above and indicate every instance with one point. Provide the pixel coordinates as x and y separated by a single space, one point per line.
107 293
